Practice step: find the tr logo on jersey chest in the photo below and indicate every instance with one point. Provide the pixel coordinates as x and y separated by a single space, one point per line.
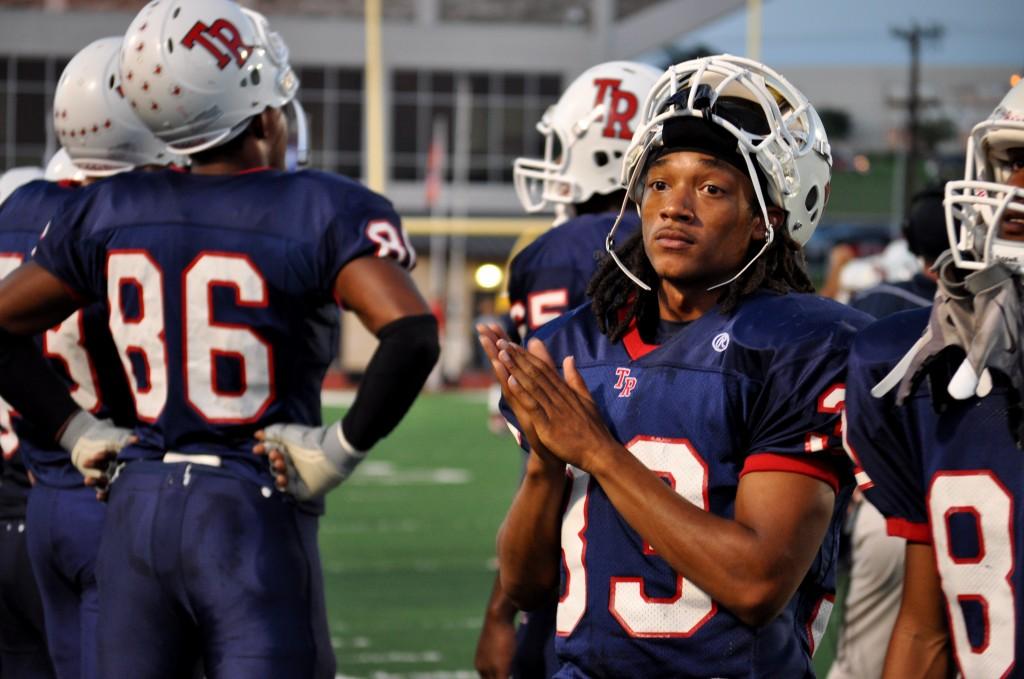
625 383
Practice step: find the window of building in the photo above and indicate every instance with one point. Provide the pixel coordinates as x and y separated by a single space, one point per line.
26 97
504 110
332 97
333 100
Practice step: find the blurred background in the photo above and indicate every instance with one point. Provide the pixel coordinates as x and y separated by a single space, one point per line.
429 102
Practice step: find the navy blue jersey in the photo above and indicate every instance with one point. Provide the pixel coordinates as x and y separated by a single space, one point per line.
551 275
953 479
79 349
758 390
890 298
221 295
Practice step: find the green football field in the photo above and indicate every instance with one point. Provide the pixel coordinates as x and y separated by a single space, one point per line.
408 543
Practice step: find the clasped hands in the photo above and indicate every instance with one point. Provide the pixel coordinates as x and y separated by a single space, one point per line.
556 414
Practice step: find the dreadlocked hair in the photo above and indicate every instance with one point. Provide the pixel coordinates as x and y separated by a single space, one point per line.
617 302
780 269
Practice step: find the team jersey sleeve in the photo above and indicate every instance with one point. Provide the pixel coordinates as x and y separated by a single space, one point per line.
69 251
878 441
796 420
516 289
366 226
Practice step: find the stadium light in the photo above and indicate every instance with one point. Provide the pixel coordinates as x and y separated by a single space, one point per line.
488 276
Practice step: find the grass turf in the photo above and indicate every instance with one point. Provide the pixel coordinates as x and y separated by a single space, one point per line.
408 544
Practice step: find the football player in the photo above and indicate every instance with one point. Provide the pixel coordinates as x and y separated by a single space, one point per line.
586 134
23 650
223 287
695 430
875 558
934 418
101 137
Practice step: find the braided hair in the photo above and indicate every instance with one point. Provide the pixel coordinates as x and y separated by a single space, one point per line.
617 302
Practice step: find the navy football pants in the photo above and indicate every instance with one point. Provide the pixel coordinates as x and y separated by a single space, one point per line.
202 572
64 527
22 639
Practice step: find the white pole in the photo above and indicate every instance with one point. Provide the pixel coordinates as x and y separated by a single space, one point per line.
457 317
754 29
374 114
438 241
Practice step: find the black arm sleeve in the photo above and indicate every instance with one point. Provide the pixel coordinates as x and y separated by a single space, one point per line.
406 354
30 385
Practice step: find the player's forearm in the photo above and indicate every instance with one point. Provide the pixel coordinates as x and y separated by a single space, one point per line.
916 653
744 570
499 606
529 542
393 379
920 646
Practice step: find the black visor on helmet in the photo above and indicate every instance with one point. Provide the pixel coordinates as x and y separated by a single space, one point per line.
701 135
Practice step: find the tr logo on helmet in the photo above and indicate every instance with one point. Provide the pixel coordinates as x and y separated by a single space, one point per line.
586 134
226 34
622 106
197 71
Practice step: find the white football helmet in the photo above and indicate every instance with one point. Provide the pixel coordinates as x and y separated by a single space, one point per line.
62 168
791 150
977 205
17 177
93 121
196 71
586 135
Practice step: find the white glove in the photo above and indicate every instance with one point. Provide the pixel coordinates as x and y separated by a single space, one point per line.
85 437
318 458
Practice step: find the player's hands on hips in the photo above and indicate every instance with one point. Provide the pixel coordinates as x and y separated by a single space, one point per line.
93 445
307 461
561 411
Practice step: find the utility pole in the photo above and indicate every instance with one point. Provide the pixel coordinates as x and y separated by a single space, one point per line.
914 36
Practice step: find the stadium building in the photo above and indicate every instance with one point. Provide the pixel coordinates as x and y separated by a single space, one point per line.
470 77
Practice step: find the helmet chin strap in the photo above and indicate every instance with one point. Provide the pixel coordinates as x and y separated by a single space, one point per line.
609 243
769 230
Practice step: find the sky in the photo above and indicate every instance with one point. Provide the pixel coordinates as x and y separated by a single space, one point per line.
799 32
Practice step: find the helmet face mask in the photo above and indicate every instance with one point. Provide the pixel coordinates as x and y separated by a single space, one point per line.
297 154
788 146
786 156
585 137
980 204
